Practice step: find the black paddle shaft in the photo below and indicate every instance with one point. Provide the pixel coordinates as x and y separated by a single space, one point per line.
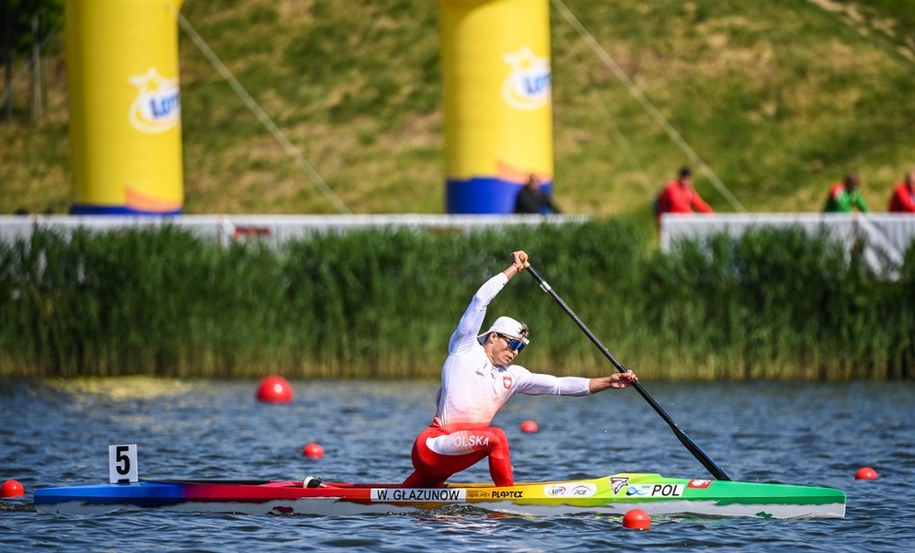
693 448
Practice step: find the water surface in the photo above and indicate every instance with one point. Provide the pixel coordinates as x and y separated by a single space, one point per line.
58 432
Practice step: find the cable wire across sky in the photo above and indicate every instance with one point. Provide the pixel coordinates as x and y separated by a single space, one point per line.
637 93
252 104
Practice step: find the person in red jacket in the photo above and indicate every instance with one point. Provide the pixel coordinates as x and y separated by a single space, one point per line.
903 200
679 196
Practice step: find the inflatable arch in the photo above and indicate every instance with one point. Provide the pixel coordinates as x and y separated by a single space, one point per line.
498 101
125 106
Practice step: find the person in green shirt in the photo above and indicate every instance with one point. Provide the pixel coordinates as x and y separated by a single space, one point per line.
844 196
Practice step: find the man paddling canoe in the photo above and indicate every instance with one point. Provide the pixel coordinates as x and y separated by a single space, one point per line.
478 378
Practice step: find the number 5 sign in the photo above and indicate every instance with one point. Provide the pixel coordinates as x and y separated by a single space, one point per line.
122 464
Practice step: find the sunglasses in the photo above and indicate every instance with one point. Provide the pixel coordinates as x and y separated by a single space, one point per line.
514 343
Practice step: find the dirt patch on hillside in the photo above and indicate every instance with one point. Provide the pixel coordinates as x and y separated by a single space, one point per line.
857 18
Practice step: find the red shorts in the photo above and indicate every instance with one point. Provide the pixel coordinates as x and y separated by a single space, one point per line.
438 454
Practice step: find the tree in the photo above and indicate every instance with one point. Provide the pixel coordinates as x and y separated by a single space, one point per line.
26 27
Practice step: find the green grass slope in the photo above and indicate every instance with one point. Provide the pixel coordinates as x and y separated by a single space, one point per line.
778 98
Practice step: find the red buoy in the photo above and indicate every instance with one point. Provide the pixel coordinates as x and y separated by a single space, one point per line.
313 450
529 426
274 389
637 519
12 488
866 473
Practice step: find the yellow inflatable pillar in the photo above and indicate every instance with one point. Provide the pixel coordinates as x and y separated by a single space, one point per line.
498 102
125 108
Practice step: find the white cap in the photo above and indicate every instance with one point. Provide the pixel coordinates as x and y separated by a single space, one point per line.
507 326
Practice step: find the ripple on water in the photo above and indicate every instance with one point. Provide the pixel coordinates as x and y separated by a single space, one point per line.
801 433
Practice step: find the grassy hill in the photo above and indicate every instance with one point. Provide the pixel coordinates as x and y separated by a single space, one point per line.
779 98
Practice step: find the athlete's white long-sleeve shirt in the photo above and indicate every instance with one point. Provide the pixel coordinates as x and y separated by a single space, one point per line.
473 389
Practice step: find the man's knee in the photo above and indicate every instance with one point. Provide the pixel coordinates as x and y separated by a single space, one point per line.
499 434
498 439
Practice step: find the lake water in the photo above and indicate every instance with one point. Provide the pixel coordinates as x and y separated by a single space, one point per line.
58 432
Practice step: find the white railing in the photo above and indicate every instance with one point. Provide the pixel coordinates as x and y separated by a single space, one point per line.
272 229
884 236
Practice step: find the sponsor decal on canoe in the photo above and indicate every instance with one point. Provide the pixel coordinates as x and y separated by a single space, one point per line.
701 484
507 494
571 489
617 484
656 490
419 494
474 494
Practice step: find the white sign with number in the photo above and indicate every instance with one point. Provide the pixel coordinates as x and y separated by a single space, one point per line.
122 464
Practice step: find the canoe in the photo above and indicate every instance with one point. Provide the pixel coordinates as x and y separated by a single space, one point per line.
614 495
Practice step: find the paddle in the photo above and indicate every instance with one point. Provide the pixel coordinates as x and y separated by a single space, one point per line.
693 448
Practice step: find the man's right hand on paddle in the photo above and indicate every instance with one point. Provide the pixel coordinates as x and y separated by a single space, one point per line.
616 381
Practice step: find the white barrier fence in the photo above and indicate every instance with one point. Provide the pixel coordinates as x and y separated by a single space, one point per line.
272 230
885 236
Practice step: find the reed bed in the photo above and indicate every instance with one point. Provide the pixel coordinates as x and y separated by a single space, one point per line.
382 304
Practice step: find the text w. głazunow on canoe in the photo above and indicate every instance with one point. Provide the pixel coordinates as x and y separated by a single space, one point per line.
419 494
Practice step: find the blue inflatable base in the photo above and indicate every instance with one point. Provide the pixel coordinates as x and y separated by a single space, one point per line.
483 196
83 209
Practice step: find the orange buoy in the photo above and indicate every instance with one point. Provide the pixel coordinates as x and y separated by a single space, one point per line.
12 488
866 473
637 519
529 426
274 389
313 450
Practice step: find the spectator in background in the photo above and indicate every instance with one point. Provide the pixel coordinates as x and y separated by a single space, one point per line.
844 196
903 200
679 196
531 199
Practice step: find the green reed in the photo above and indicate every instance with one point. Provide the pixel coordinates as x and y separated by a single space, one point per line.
382 304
